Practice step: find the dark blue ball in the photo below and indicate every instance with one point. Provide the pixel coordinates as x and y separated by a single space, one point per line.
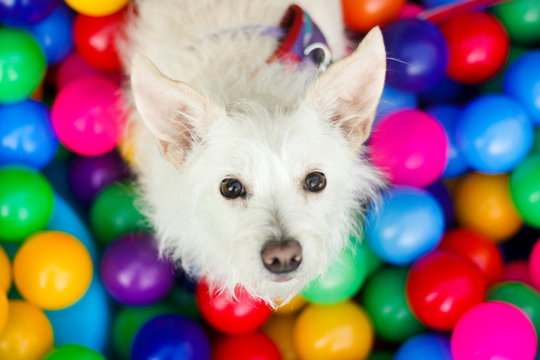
24 12
425 346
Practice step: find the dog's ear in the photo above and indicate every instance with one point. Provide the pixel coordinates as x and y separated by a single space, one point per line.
349 92
176 114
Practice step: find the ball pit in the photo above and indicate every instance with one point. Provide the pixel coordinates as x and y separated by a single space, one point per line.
457 134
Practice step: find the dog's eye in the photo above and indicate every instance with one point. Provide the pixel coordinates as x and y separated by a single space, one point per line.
315 182
232 188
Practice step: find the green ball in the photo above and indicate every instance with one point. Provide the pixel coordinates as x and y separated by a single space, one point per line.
521 295
26 202
386 304
129 320
525 189
536 144
521 19
380 355
72 352
22 65
371 261
344 278
113 213
185 303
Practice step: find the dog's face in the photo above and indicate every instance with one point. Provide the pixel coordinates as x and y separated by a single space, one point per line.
257 196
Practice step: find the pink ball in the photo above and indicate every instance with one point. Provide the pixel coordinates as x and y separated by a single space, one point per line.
88 117
411 147
517 270
534 265
410 10
494 330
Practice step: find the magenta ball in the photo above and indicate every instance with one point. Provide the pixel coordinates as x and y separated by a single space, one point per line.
88 117
132 271
494 330
411 147
534 265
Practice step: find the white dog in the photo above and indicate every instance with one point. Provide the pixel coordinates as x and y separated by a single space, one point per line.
253 172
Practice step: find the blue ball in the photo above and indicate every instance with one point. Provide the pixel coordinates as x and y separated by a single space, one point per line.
26 134
448 115
444 198
169 337
417 54
425 346
393 99
54 34
408 223
494 134
445 90
22 12
522 82
428 4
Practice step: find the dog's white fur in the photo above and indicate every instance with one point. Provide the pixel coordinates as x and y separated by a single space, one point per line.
206 106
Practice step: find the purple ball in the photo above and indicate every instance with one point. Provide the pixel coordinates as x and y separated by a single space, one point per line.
132 271
88 175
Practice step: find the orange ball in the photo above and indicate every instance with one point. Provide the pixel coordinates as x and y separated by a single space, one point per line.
362 15
292 307
28 334
5 271
280 330
483 203
52 269
339 331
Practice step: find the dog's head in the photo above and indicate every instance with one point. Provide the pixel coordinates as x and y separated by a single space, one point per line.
262 196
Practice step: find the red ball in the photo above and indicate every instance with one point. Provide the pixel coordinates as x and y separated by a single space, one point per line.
478 45
232 316
251 346
478 249
441 287
95 39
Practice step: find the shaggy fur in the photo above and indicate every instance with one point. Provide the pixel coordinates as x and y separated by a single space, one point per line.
206 106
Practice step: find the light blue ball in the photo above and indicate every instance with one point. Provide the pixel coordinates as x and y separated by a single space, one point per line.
408 223
425 346
393 100
522 82
448 115
494 134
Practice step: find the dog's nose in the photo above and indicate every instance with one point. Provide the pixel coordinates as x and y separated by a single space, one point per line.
281 256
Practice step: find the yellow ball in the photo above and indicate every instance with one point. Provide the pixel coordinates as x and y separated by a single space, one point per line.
339 331
292 307
5 271
3 310
52 270
127 146
483 203
96 7
280 330
28 334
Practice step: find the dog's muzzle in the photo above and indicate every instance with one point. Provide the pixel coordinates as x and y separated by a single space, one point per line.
280 257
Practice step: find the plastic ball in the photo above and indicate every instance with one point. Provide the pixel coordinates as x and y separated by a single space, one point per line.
280 330
245 347
3 310
52 269
445 90
88 175
231 316
292 307
394 231
478 249
132 271
26 202
521 18
418 54
442 194
95 39
410 147
22 65
342 281
113 213
27 335
536 145
5 271
525 190
441 287
129 320
385 302
339 331
494 330
410 10
71 352
21 12
448 116
478 47
26 134
74 67
97 8
494 134
534 265
521 82
425 346
87 116
393 100
483 203
517 270
54 34
171 337
362 15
